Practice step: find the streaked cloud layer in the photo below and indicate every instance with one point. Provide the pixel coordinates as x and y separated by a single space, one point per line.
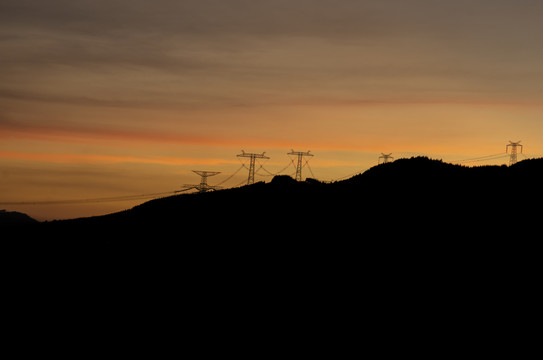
228 53
131 79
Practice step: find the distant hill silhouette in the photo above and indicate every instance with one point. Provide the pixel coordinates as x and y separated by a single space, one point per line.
416 197
14 218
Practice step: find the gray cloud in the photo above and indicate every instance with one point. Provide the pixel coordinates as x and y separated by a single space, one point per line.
216 51
255 17
260 17
125 28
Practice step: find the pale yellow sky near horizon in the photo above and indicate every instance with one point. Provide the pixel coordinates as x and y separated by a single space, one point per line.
114 98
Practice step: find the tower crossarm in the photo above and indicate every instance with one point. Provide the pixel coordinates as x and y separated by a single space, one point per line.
252 155
300 153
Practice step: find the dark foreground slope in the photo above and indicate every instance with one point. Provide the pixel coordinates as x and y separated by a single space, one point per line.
416 197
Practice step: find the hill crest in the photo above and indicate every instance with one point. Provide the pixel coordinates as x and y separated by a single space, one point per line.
416 188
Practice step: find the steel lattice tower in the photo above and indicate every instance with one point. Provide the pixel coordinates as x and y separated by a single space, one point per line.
252 157
300 155
386 158
203 186
513 153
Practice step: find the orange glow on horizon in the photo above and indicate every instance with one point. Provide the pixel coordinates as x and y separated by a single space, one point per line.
108 159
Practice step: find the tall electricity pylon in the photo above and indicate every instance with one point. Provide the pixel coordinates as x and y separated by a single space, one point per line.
386 158
513 153
253 157
300 155
203 186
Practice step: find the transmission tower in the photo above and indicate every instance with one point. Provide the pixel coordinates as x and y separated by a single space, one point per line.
513 152
300 155
203 186
386 158
253 157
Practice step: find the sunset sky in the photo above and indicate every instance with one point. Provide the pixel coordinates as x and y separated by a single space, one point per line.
123 97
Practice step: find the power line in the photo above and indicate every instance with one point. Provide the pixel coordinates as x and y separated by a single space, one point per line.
482 158
231 176
309 168
278 172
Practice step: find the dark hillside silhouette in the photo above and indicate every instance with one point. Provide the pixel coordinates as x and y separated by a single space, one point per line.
402 229
14 218
418 197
